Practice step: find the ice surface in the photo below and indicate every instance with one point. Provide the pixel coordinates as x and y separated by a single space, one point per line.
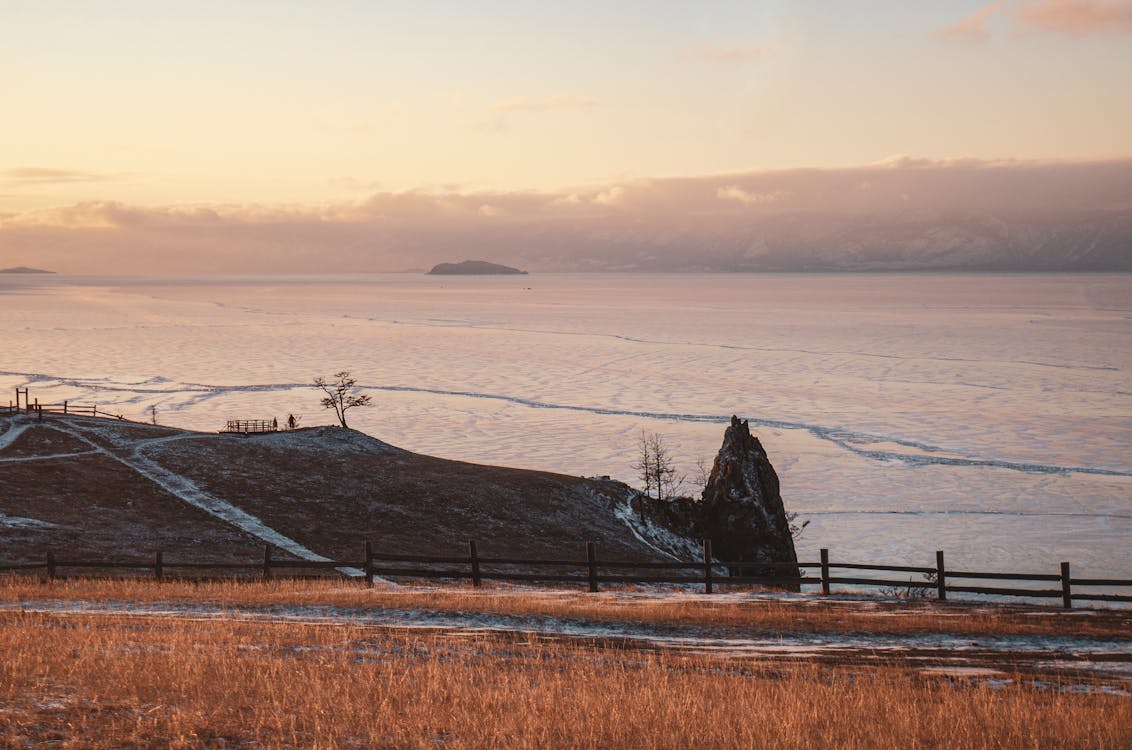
989 416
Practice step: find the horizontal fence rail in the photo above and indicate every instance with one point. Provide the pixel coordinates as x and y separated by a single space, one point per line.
63 407
246 426
24 406
592 572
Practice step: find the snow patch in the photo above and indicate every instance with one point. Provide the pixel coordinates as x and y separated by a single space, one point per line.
659 538
22 522
15 429
323 439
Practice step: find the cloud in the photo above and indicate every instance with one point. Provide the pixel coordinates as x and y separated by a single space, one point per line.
736 193
971 29
610 197
1078 18
567 101
1073 18
47 176
904 213
711 53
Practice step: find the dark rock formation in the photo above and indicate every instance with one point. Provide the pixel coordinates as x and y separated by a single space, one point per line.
741 508
472 268
740 511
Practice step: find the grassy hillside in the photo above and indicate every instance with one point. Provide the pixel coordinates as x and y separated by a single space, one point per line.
116 490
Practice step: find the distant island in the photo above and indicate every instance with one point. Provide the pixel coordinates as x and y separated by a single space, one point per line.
472 268
23 269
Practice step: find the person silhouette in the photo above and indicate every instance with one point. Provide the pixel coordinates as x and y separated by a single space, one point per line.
290 421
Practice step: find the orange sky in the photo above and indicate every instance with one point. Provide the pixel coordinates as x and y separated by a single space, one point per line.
252 114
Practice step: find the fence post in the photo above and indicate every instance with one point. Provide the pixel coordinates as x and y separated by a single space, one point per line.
825 571
51 565
591 561
707 566
474 558
1066 592
267 562
64 406
940 577
369 564
158 566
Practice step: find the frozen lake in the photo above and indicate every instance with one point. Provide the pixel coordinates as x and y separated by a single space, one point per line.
986 415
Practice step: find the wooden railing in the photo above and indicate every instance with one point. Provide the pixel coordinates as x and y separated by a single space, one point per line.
64 407
593 572
245 426
241 426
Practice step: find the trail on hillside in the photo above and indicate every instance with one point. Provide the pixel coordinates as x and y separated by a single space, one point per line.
15 429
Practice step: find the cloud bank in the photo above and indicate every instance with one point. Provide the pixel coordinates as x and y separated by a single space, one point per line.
1079 17
46 176
971 29
1071 18
901 214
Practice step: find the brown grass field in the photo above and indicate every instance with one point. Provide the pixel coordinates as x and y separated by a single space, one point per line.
106 681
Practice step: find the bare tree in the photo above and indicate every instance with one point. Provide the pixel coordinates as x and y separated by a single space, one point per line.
703 471
796 527
340 394
656 468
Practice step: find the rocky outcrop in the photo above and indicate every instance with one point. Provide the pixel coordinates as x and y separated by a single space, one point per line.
740 511
741 508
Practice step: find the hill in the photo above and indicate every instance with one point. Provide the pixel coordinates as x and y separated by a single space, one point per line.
473 268
23 269
93 487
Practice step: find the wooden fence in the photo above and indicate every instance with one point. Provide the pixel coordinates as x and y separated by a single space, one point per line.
26 405
64 407
246 426
707 572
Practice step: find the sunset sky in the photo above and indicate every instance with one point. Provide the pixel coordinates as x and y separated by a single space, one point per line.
317 109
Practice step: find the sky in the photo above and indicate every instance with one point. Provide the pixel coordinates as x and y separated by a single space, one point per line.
340 114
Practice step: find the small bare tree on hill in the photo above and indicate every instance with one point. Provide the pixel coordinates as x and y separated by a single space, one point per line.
656 467
340 394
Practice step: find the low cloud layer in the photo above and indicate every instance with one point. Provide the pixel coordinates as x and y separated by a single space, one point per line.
972 29
1071 18
46 176
902 214
1079 17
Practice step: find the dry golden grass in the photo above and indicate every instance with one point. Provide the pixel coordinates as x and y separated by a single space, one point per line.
792 614
102 682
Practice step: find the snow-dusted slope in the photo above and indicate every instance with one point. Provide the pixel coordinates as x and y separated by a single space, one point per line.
314 493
